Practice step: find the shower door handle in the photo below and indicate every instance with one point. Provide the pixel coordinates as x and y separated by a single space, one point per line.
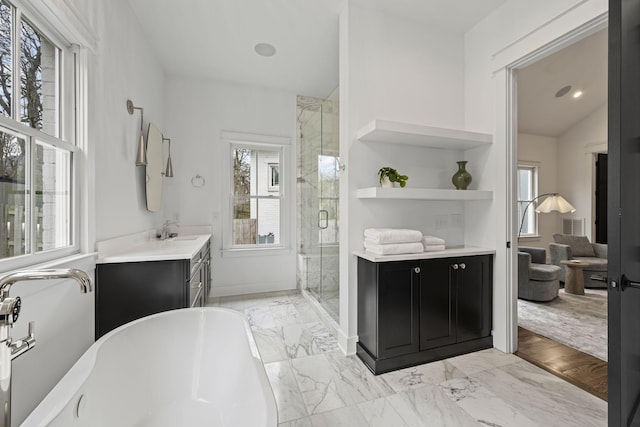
323 213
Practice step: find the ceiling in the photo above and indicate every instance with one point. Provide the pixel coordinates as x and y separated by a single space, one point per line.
583 65
215 39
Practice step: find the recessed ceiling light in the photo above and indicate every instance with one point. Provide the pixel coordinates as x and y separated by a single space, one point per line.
577 94
563 91
265 49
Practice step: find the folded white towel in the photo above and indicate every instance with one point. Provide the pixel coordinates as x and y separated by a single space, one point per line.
432 240
394 248
392 235
434 248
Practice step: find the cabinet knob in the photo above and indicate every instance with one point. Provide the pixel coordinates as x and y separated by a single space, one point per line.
462 265
416 270
455 266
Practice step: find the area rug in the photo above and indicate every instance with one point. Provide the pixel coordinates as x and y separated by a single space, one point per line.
578 321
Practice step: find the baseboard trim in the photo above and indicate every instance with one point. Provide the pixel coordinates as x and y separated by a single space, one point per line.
250 288
347 344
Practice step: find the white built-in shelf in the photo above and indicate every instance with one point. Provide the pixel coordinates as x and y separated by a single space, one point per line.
422 194
420 135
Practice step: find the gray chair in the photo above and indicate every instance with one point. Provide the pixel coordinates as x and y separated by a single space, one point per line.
537 280
568 247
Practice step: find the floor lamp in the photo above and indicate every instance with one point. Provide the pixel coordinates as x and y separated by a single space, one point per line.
555 202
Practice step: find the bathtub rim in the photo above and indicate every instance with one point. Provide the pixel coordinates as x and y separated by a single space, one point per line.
49 408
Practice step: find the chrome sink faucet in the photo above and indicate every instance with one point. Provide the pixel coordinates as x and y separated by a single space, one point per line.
9 312
164 234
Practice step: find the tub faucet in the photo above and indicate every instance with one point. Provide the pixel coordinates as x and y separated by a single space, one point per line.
9 311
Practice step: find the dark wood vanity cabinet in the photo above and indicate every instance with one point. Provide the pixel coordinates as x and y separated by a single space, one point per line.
417 311
127 291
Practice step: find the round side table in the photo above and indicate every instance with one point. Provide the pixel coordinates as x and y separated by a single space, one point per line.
574 279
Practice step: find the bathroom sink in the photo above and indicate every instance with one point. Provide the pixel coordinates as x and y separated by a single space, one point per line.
181 238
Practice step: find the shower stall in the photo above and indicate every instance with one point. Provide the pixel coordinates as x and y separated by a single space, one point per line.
318 179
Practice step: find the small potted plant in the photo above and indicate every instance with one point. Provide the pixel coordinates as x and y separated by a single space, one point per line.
389 176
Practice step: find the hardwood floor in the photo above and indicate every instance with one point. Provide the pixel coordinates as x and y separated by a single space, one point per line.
580 369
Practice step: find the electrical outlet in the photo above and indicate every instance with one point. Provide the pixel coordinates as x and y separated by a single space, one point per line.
442 221
457 220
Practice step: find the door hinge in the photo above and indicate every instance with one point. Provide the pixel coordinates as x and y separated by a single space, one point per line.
508 245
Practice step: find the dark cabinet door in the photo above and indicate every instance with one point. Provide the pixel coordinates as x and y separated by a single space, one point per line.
130 291
437 303
398 308
473 298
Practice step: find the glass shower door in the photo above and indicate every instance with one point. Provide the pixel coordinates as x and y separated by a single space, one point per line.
328 168
318 195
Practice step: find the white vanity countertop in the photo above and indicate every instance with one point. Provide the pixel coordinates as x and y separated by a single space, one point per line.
447 253
184 246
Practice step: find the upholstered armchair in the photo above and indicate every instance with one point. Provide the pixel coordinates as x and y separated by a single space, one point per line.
537 280
568 247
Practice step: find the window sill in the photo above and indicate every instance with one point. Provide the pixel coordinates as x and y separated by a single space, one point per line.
530 237
49 260
253 252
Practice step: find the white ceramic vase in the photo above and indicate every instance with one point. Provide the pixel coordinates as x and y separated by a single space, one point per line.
385 183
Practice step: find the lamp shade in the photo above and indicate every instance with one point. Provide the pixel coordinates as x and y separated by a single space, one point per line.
555 203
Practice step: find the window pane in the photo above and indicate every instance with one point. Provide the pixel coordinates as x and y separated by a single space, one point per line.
244 225
526 193
256 221
268 215
6 58
52 214
38 81
241 171
328 176
525 184
254 172
13 195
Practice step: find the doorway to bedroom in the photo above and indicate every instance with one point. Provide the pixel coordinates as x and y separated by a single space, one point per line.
561 152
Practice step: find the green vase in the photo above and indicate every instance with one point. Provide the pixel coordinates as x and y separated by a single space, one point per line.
461 179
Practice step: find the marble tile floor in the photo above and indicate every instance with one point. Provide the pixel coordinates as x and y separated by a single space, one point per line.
316 385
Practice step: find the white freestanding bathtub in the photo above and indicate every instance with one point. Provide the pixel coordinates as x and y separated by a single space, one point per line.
190 367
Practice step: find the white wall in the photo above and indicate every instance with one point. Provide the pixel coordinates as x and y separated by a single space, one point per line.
509 34
124 67
576 150
197 111
394 69
542 152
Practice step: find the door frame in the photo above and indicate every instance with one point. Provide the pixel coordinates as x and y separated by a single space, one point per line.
507 130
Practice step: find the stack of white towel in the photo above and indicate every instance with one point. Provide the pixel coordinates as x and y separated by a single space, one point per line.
393 241
432 244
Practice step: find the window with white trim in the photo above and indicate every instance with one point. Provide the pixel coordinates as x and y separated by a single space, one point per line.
37 140
527 191
257 198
